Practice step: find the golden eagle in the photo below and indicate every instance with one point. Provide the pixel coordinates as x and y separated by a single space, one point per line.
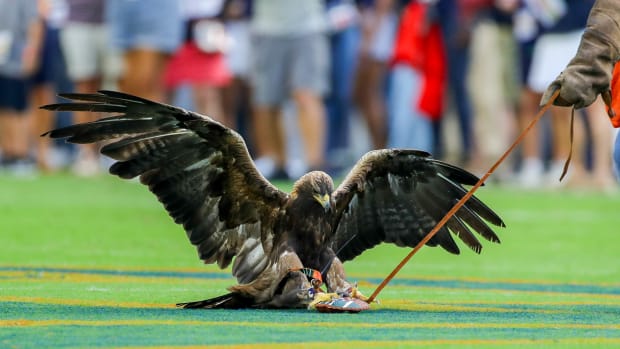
203 174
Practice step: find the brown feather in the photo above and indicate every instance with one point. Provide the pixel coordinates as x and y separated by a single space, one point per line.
202 173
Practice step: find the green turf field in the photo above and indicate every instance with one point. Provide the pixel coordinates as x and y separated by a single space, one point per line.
98 263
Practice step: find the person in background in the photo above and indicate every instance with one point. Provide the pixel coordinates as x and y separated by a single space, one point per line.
494 86
290 56
343 22
417 83
92 65
552 50
237 95
45 79
458 19
21 35
378 28
200 61
589 72
147 33
531 168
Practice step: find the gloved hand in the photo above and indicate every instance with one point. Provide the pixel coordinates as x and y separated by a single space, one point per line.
589 73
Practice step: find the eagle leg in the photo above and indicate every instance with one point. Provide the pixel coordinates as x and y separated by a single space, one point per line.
336 281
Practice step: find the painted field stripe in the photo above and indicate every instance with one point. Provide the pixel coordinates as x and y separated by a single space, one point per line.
438 307
393 344
387 305
86 277
366 278
372 276
77 277
83 302
535 303
430 325
522 292
506 286
601 298
124 272
390 304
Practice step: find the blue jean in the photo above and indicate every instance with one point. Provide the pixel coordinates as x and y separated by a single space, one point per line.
155 24
343 53
408 126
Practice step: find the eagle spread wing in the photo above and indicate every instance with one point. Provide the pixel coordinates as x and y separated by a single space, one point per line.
200 170
203 174
397 196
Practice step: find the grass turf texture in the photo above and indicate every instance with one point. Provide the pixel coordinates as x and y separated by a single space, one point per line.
98 263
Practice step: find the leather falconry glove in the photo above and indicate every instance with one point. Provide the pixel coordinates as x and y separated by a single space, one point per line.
589 73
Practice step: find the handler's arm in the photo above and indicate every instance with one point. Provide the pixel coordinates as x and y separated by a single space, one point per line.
589 73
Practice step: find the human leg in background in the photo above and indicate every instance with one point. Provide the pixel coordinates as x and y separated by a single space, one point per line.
370 98
147 33
602 146
493 85
309 82
270 141
408 127
14 135
43 91
42 121
269 92
87 160
343 49
143 73
532 166
311 115
378 29
458 65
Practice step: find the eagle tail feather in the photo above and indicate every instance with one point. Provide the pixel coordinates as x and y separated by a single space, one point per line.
226 301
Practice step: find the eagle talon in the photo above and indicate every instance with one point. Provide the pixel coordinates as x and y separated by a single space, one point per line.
322 297
355 293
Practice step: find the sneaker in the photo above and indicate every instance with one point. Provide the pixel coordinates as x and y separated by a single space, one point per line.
531 174
21 168
552 177
266 166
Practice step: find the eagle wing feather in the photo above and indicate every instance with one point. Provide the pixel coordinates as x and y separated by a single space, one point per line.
397 196
200 170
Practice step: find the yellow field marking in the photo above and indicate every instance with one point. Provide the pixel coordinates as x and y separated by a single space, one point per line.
361 277
390 304
404 343
27 276
83 302
207 268
439 307
387 305
520 302
520 292
327 324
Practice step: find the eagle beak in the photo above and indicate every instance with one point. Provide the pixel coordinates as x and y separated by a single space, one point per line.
323 200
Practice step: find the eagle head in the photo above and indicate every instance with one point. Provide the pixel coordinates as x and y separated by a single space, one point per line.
314 188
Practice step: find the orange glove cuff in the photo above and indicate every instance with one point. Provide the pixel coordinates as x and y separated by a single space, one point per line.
613 101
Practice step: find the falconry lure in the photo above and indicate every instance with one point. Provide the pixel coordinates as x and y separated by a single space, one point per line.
283 246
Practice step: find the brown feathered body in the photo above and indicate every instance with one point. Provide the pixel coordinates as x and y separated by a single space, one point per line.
202 173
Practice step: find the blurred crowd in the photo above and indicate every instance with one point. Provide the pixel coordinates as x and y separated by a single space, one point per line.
311 84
